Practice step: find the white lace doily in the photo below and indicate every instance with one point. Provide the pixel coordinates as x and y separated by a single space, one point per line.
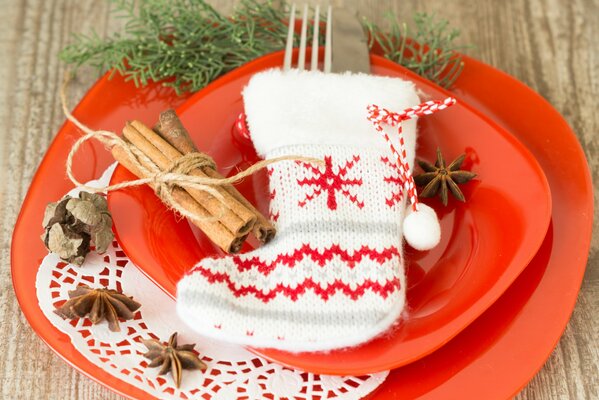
232 372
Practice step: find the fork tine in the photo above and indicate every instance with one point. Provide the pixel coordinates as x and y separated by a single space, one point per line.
289 44
327 43
301 62
314 65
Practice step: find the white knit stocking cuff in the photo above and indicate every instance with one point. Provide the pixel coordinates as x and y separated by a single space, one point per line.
287 108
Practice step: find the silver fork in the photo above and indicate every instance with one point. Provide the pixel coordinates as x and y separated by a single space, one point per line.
301 61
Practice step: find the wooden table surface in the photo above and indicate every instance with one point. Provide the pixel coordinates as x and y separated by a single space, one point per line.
551 45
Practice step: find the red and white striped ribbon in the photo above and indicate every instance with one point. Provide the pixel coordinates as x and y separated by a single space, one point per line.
379 116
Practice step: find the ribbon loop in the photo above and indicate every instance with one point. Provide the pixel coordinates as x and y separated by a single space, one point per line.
379 116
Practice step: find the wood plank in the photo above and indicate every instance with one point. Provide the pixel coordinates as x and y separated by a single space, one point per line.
548 44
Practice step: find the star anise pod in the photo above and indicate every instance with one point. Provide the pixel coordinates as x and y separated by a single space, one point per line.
440 178
72 224
172 357
98 305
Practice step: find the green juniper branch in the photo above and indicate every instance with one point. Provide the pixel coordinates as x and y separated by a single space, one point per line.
428 50
186 44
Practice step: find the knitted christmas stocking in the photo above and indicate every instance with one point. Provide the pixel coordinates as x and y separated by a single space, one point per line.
334 275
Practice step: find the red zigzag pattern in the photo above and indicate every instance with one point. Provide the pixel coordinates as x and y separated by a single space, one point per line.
294 293
321 258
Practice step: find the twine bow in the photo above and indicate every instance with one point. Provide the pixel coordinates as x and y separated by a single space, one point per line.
379 116
177 174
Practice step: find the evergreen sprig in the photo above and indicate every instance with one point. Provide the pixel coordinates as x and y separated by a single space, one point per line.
186 44
428 49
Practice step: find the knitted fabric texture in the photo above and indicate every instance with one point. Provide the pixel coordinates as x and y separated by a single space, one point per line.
334 275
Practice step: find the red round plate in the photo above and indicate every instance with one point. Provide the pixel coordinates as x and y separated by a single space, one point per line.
486 243
493 358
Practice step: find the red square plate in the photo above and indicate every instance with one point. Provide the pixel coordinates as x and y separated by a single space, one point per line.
486 244
493 358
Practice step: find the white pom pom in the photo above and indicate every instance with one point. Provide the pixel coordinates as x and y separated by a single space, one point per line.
421 228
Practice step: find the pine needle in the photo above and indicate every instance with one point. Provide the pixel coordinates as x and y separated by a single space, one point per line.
428 49
186 44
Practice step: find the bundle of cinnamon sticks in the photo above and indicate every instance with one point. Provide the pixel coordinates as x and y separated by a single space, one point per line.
226 220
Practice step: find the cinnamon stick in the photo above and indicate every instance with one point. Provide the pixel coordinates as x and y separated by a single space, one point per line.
263 229
229 212
173 131
214 230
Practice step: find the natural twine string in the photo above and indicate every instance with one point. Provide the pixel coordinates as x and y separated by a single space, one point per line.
163 181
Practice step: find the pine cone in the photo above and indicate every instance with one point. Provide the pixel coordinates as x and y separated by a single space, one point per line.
73 224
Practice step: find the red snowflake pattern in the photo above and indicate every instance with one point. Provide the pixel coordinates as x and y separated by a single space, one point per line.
396 182
329 182
274 215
